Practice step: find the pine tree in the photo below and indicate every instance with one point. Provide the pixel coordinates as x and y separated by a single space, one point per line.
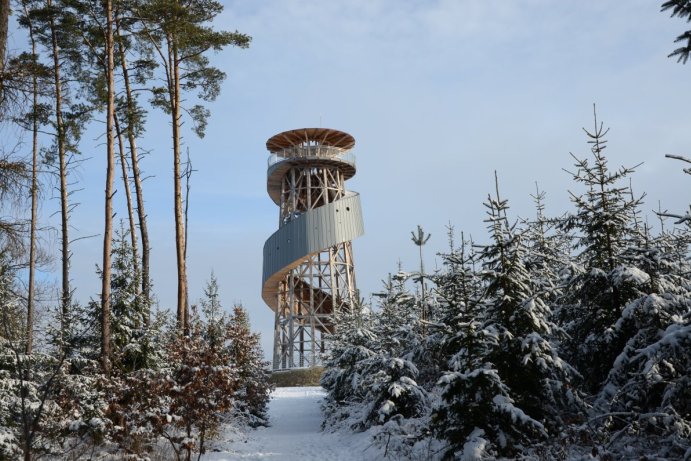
459 287
4 29
180 32
132 43
54 27
35 418
420 239
29 65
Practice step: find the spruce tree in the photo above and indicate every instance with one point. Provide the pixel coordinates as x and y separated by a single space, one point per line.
606 280
532 368
477 412
682 9
351 345
506 387
393 391
645 399
547 257
246 355
129 308
398 316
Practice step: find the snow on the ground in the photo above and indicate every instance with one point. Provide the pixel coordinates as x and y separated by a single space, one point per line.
295 434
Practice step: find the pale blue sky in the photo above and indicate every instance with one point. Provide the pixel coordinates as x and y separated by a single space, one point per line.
438 95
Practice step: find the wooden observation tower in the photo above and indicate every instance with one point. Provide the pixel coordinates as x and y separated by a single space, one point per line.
308 274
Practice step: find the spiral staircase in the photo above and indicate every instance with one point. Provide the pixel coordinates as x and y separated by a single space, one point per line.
308 273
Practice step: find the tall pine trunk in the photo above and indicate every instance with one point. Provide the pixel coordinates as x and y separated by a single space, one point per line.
110 176
65 298
34 204
136 174
174 92
181 36
4 22
128 197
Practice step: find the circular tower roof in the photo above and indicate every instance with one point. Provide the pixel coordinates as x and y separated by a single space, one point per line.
324 136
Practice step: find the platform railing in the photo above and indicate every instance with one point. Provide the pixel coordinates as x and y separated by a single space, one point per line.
312 152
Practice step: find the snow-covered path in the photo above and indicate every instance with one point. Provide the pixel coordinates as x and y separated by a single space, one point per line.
294 434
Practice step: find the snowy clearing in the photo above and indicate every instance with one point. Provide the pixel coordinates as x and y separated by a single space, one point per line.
295 434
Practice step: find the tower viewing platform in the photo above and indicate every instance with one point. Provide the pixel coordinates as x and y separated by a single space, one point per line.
299 147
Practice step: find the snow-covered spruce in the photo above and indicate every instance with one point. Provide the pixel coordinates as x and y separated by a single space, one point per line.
503 348
344 376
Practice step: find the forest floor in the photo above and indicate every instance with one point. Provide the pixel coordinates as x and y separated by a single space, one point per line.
295 434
